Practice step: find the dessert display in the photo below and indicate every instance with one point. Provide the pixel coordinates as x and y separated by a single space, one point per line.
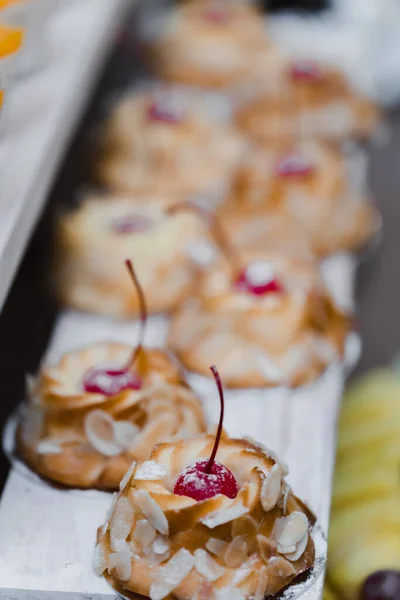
285 195
169 137
103 406
364 540
95 239
316 101
215 44
206 518
266 317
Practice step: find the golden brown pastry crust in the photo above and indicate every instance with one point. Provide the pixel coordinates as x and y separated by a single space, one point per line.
195 154
266 209
327 109
195 50
252 538
285 338
90 267
55 437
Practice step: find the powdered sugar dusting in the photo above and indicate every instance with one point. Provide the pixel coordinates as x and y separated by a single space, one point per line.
150 471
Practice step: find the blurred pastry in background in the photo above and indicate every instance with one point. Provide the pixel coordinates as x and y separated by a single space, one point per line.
267 320
95 239
214 518
211 43
364 539
315 101
100 407
297 196
169 138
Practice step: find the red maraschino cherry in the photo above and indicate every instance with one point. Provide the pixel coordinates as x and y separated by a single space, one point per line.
294 165
109 381
164 113
258 279
131 223
217 15
307 71
204 478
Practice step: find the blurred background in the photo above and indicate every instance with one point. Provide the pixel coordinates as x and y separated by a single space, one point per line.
363 39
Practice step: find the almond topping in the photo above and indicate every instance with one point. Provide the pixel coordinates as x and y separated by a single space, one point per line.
144 533
271 488
299 549
122 562
217 547
262 584
236 552
152 511
99 429
161 544
172 574
127 477
121 523
99 560
281 567
206 566
267 547
289 530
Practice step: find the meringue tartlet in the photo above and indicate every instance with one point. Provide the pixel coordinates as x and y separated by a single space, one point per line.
209 44
270 322
88 417
285 196
96 238
313 101
159 544
170 138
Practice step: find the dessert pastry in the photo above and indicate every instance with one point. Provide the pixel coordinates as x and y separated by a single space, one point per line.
268 319
364 539
287 195
171 138
100 408
213 43
95 239
315 101
185 525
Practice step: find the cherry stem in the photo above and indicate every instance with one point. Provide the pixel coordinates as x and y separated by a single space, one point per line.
227 249
143 314
221 420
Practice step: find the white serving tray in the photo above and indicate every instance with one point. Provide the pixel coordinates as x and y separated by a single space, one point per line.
47 535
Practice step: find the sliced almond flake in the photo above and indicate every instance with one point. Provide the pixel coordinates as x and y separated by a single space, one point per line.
217 547
152 511
32 425
206 566
161 544
246 524
245 570
285 496
205 592
236 553
122 562
289 530
99 429
172 574
202 253
150 471
48 446
229 593
286 549
267 547
144 533
271 488
127 477
121 523
125 434
99 560
157 559
299 550
262 584
225 515
280 566
110 512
